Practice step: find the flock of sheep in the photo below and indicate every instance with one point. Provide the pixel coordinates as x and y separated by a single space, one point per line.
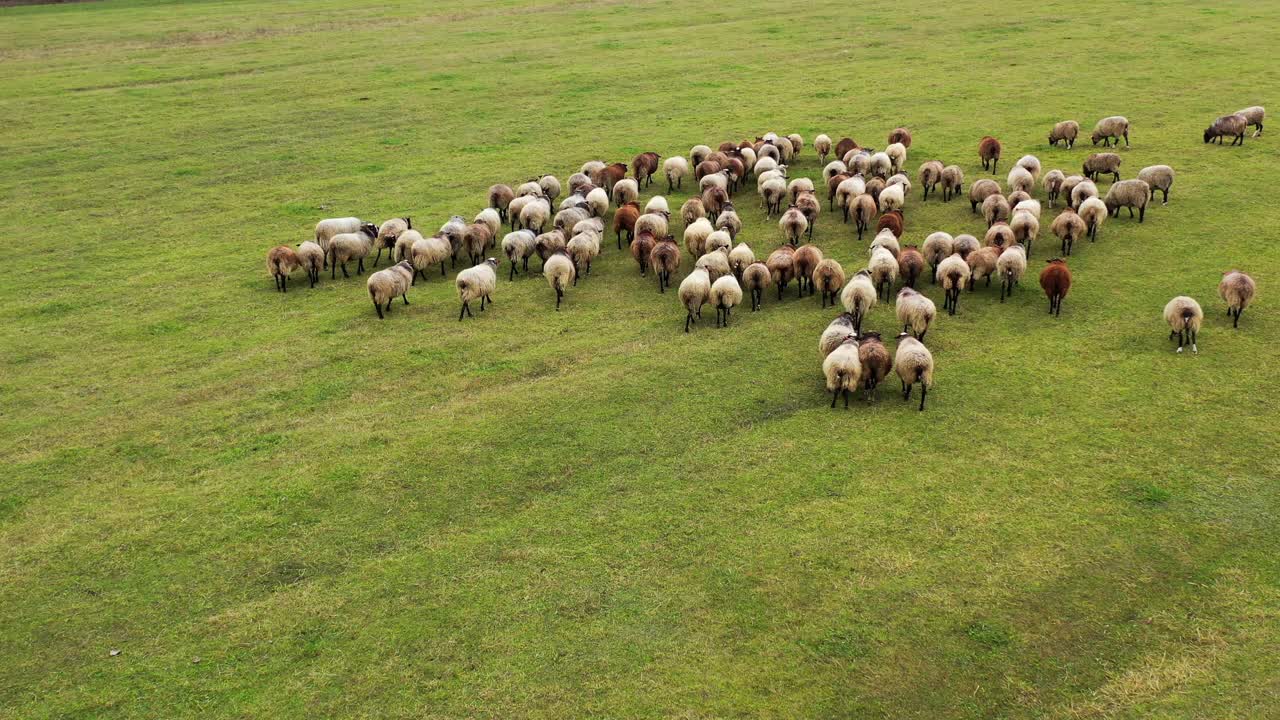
864 186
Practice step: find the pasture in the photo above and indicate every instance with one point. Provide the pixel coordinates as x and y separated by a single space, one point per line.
222 501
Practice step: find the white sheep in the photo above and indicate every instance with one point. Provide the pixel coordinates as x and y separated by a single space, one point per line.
694 292
897 153
718 240
837 331
725 295
822 144
880 165
560 273
535 215
695 236
937 246
312 258
598 201
698 154
716 263
388 234
476 283
327 228
915 311
954 274
1236 289
1032 165
385 285
1011 264
1094 212
773 192
842 369
884 270
518 246
1184 317
624 191
893 197
282 260
858 297
658 203
345 247
582 249
914 363
426 253
1159 177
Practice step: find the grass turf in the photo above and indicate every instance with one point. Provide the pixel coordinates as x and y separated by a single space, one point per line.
275 504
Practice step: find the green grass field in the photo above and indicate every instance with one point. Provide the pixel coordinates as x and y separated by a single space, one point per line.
277 506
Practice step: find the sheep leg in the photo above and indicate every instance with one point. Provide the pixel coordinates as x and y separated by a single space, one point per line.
920 337
688 318
1236 323
405 297
835 394
482 303
462 312
1166 196
924 390
846 398
360 267
512 275
378 258
559 294
1194 335
1179 341
378 307
344 271
1142 213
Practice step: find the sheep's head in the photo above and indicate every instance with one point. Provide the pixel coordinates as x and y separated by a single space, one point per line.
491 262
869 337
1208 134
1096 137
369 229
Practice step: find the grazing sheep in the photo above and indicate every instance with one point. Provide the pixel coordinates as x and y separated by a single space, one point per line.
1237 289
954 273
582 248
900 135
1066 132
560 273
426 253
910 265
1093 211
914 364
1020 180
726 294
1184 317
476 240
1159 177
695 236
1082 191
892 198
891 221
1025 227
664 259
915 312
327 228
793 225
739 258
1000 235
828 279
806 260
822 144
385 285
518 247
881 165
989 152
930 175
1099 164
1053 185
995 209
1011 264
345 247
982 264
476 283
887 240
858 297
952 182
716 263
937 246
694 292
535 215
675 169
312 259
598 201
1254 115
282 260
718 240
1111 128
654 222
980 190
756 279
897 153
782 266
1128 194
836 332
964 244
1055 280
390 231
842 369
864 213
692 210
1069 227
884 271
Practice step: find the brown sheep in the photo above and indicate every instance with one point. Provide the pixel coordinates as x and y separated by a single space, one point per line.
806 260
930 176
282 260
808 204
982 263
782 266
1068 226
910 265
900 135
1065 132
864 212
641 248
1233 125
893 221
828 278
980 190
844 146
999 235
875 361
989 151
1055 280
664 258
624 220
500 197
644 166
1237 289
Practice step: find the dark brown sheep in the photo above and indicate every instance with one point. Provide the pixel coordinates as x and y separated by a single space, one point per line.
989 151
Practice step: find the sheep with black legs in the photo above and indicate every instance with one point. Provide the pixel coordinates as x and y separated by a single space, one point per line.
806 259
1111 129
518 247
858 297
1232 126
1254 116
1237 289
1055 280
1093 212
937 246
876 363
963 244
282 260
560 273
930 175
1159 177
694 292
476 283
836 332
675 168
756 278
388 233
989 152
1128 194
385 285
312 259
842 369
1099 164
1020 179
1010 266
914 364
1184 317
426 253
864 213
1053 185
1069 227
725 295
822 144
1064 132
953 274
952 182
980 190
716 263
995 208
345 247
884 270
1082 191
910 265
915 312
828 279
664 258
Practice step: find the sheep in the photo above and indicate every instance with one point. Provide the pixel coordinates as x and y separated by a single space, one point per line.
644 166
1082 191
739 258
476 283
881 165
845 146
982 264
728 220
489 217
1053 181
477 239
835 333
345 247
654 222
550 185
716 263
582 248
875 186
937 246
312 259
1093 211
1031 164
930 175
952 182
914 363
756 279
707 168
901 180
1069 227
718 240
716 179
897 153
842 369
910 265
595 225
799 185
892 198
675 168
1254 115
657 203
1159 177
900 135
625 191
833 189
389 232
887 240
577 182
884 270
915 312
1184 317
1016 197
822 145
793 225
560 273
530 188
694 292
282 260
1029 205
404 244
995 209
806 259
726 294
964 244
1111 128
664 259
591 167
782 266
698 153
1020 179
999 235
797 142
535 215
773 192
624 220
327 228
846 191
695 236
1011 264
858 297
954 273
598 201
748 157
1066 132
833 168
517 205
692 210
385 285
980 190
828 278
1130 194
1237 289
891 221
1025 227
1055 280
609 176
426 253
864 213
807 204
518 246
858 162
989 152
875 362
1099 164
765 164
547 244
714 199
